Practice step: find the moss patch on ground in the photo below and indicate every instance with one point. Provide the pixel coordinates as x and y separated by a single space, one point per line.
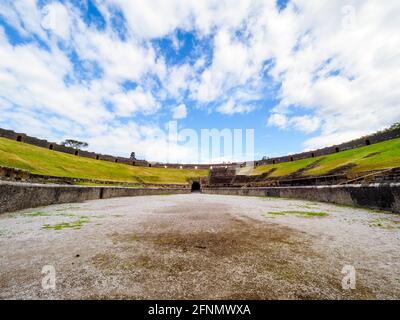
37 214
94 184
77 224
354 206
384 223
47 214
301 213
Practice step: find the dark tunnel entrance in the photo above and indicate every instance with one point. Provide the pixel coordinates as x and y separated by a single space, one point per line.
195 186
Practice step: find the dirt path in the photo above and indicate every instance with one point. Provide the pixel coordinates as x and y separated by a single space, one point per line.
199 247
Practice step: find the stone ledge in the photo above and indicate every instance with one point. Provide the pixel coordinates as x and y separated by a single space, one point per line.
17 196
374 196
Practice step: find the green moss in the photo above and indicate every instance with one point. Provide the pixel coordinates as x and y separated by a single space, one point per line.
361 208
384 223
47 214
37 214
93 184
63 225
52 163
307 206
303 213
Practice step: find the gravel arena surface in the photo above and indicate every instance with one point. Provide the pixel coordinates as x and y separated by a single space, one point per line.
198 246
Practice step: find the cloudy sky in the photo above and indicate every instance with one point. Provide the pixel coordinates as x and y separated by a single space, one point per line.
303 74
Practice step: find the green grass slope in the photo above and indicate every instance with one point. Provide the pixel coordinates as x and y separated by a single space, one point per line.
52 163
379 156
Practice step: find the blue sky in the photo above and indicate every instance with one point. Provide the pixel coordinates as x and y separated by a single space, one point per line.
115 73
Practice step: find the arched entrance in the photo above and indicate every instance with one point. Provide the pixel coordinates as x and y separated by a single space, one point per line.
195 186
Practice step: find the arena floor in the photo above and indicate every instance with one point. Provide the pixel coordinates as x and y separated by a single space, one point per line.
199 246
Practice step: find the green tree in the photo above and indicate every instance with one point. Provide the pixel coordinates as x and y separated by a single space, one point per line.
394 126
75 144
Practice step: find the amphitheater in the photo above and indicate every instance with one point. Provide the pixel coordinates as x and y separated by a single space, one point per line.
114 228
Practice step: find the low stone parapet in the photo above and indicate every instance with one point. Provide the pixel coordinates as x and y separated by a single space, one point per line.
17 196
373 196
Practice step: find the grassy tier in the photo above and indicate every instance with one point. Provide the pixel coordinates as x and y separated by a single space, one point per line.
58 164
379 156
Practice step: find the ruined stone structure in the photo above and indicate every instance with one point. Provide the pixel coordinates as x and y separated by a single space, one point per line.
368 140
371 189
228 179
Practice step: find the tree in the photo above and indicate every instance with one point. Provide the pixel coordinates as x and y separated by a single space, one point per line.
394 126
75 144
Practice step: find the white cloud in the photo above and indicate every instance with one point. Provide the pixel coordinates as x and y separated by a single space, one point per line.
178 80
120 60
179 112
231 107
134 101
24 15
232 66
55 18
278 119
306 124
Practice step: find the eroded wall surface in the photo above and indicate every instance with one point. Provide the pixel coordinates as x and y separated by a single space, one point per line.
18 196
376 196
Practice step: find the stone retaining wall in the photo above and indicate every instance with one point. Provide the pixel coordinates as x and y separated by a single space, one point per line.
18 196
19 175
375 196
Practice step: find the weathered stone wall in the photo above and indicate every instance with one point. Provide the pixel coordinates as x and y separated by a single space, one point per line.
19 175
375 196
194 166
18 196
